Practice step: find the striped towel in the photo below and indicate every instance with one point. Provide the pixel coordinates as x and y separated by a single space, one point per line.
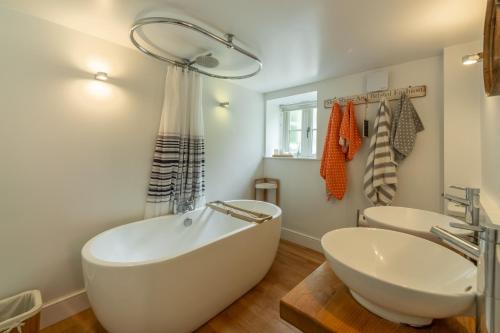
380 181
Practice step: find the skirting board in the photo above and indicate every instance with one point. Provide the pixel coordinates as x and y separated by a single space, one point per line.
63 307
301 239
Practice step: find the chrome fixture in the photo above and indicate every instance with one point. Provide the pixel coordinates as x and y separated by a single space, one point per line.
101 76
486 254
463 246
470 202
471 59
184 206
238 212
224 105
207 60
188 221
186 63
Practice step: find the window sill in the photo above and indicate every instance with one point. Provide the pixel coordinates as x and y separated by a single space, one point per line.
292 158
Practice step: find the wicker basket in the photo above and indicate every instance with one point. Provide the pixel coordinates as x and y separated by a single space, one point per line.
21 313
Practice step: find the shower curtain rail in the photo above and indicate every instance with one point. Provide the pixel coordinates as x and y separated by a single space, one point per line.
186 63
239 213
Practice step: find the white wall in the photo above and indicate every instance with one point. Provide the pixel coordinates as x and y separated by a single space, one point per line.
76 153
305 209
490 143
461 126
234 140
490 158
273 127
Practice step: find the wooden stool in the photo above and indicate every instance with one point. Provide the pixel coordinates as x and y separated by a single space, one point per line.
266 184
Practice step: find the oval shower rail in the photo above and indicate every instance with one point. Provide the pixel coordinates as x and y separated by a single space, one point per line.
187 64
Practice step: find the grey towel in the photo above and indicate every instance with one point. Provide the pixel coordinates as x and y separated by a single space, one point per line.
406 125
380 180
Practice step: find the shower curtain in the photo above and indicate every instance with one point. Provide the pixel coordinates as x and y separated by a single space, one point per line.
178 171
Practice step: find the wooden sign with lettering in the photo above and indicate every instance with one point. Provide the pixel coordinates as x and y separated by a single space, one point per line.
376 96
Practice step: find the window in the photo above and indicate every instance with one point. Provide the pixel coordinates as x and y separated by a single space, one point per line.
298 129
291 125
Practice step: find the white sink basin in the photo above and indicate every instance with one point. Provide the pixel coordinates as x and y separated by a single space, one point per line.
412 221
400 277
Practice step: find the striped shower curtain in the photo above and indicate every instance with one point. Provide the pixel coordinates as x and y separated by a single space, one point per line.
178 171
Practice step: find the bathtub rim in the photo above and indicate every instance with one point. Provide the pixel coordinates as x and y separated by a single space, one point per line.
86 254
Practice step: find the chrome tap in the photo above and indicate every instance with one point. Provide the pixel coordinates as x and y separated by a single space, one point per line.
487 257
470 202
184 206
461 245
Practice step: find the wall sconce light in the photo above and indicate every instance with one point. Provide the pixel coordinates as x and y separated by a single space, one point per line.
101 76
224 105
471 59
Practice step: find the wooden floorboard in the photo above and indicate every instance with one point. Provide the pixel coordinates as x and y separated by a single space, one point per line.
256 312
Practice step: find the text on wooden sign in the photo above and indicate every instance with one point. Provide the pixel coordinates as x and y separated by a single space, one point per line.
376 96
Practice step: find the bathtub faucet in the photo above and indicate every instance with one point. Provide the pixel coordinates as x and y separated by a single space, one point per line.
184 206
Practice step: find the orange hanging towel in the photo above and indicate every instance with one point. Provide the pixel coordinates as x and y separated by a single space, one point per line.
332 168
350 140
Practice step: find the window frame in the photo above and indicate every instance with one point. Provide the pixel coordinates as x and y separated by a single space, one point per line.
307 128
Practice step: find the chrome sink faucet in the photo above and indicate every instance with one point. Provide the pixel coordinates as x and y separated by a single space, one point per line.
487 257
460 244
470 202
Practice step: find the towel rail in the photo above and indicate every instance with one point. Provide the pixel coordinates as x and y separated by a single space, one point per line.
238 212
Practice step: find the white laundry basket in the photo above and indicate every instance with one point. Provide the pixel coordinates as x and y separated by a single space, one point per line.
21 313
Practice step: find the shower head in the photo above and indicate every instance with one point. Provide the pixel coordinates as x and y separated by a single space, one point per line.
207 61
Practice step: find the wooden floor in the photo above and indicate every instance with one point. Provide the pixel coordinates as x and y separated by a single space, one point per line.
257 311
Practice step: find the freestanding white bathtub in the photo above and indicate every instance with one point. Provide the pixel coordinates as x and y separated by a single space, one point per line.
158 275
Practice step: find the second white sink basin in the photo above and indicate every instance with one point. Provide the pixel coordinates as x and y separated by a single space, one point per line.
400 277
412 221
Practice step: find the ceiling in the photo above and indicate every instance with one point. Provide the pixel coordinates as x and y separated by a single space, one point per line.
299 41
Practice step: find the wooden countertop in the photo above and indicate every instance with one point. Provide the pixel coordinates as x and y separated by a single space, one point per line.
322 303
